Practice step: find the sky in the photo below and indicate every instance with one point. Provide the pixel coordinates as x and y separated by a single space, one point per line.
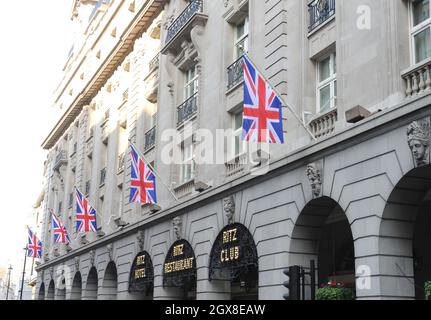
35 40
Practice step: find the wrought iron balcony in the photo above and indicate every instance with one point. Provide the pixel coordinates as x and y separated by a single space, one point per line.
150 139
60 160
235 74
320 11
187 110
192 15
154 63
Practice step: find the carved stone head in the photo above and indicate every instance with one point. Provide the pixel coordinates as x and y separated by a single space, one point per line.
141 240
177 224
418 136
313 174
76 264
229 208
92 256
110 249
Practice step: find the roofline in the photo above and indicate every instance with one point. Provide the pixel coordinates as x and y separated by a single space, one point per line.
135 29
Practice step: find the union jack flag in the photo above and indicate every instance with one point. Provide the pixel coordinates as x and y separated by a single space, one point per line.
143 182
262 115
85 214
60 233
34 246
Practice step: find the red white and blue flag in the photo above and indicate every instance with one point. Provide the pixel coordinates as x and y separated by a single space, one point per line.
85 214
143 181
34 246
262 115
60 233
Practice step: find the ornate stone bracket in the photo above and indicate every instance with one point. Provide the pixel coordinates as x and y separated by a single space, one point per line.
229 209
177 227
419 139
76 264
141 240
314 173
92 256
110 249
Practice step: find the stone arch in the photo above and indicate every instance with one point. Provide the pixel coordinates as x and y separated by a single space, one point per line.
322 232
234 262
76 292
91 288
403 221
51 291
108 290
41 294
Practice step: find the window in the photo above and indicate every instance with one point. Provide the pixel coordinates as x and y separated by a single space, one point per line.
241 39
421 30
238 146
326 83
154 117
187 163
191 83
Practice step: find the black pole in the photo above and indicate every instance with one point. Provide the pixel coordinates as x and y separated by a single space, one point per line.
23 273
313 279
8 282
303 283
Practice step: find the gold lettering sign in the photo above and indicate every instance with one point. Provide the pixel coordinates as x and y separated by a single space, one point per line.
180 265
140 260
230 254
140 274
178 250
230 236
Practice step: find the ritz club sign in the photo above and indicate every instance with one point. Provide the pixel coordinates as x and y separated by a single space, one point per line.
233 251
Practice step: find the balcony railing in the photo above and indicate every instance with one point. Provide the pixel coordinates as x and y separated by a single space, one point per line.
187 110
154 63
196 6
237 165
418 79
102 177
320 11
60 159
235 74
150 139
324 125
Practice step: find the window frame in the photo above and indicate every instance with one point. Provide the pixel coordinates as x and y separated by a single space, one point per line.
237 133
416 30
331 81
243 38
185 162
189 81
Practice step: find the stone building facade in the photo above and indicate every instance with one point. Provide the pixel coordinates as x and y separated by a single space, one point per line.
353 197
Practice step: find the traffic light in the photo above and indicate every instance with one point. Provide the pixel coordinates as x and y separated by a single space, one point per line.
293 284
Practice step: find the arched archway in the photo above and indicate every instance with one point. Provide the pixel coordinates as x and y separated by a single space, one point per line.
76 293
322 233
404 237
179 271
109 286
91 288
51 291
141 277
234 259
41 294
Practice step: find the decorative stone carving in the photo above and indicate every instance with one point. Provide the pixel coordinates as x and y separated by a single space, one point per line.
92 256
418 137
141 240
315 177
229 209
51 272
76 264
177 224
110 250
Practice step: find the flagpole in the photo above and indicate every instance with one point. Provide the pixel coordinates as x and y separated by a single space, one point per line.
23 272
152 169
286 104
